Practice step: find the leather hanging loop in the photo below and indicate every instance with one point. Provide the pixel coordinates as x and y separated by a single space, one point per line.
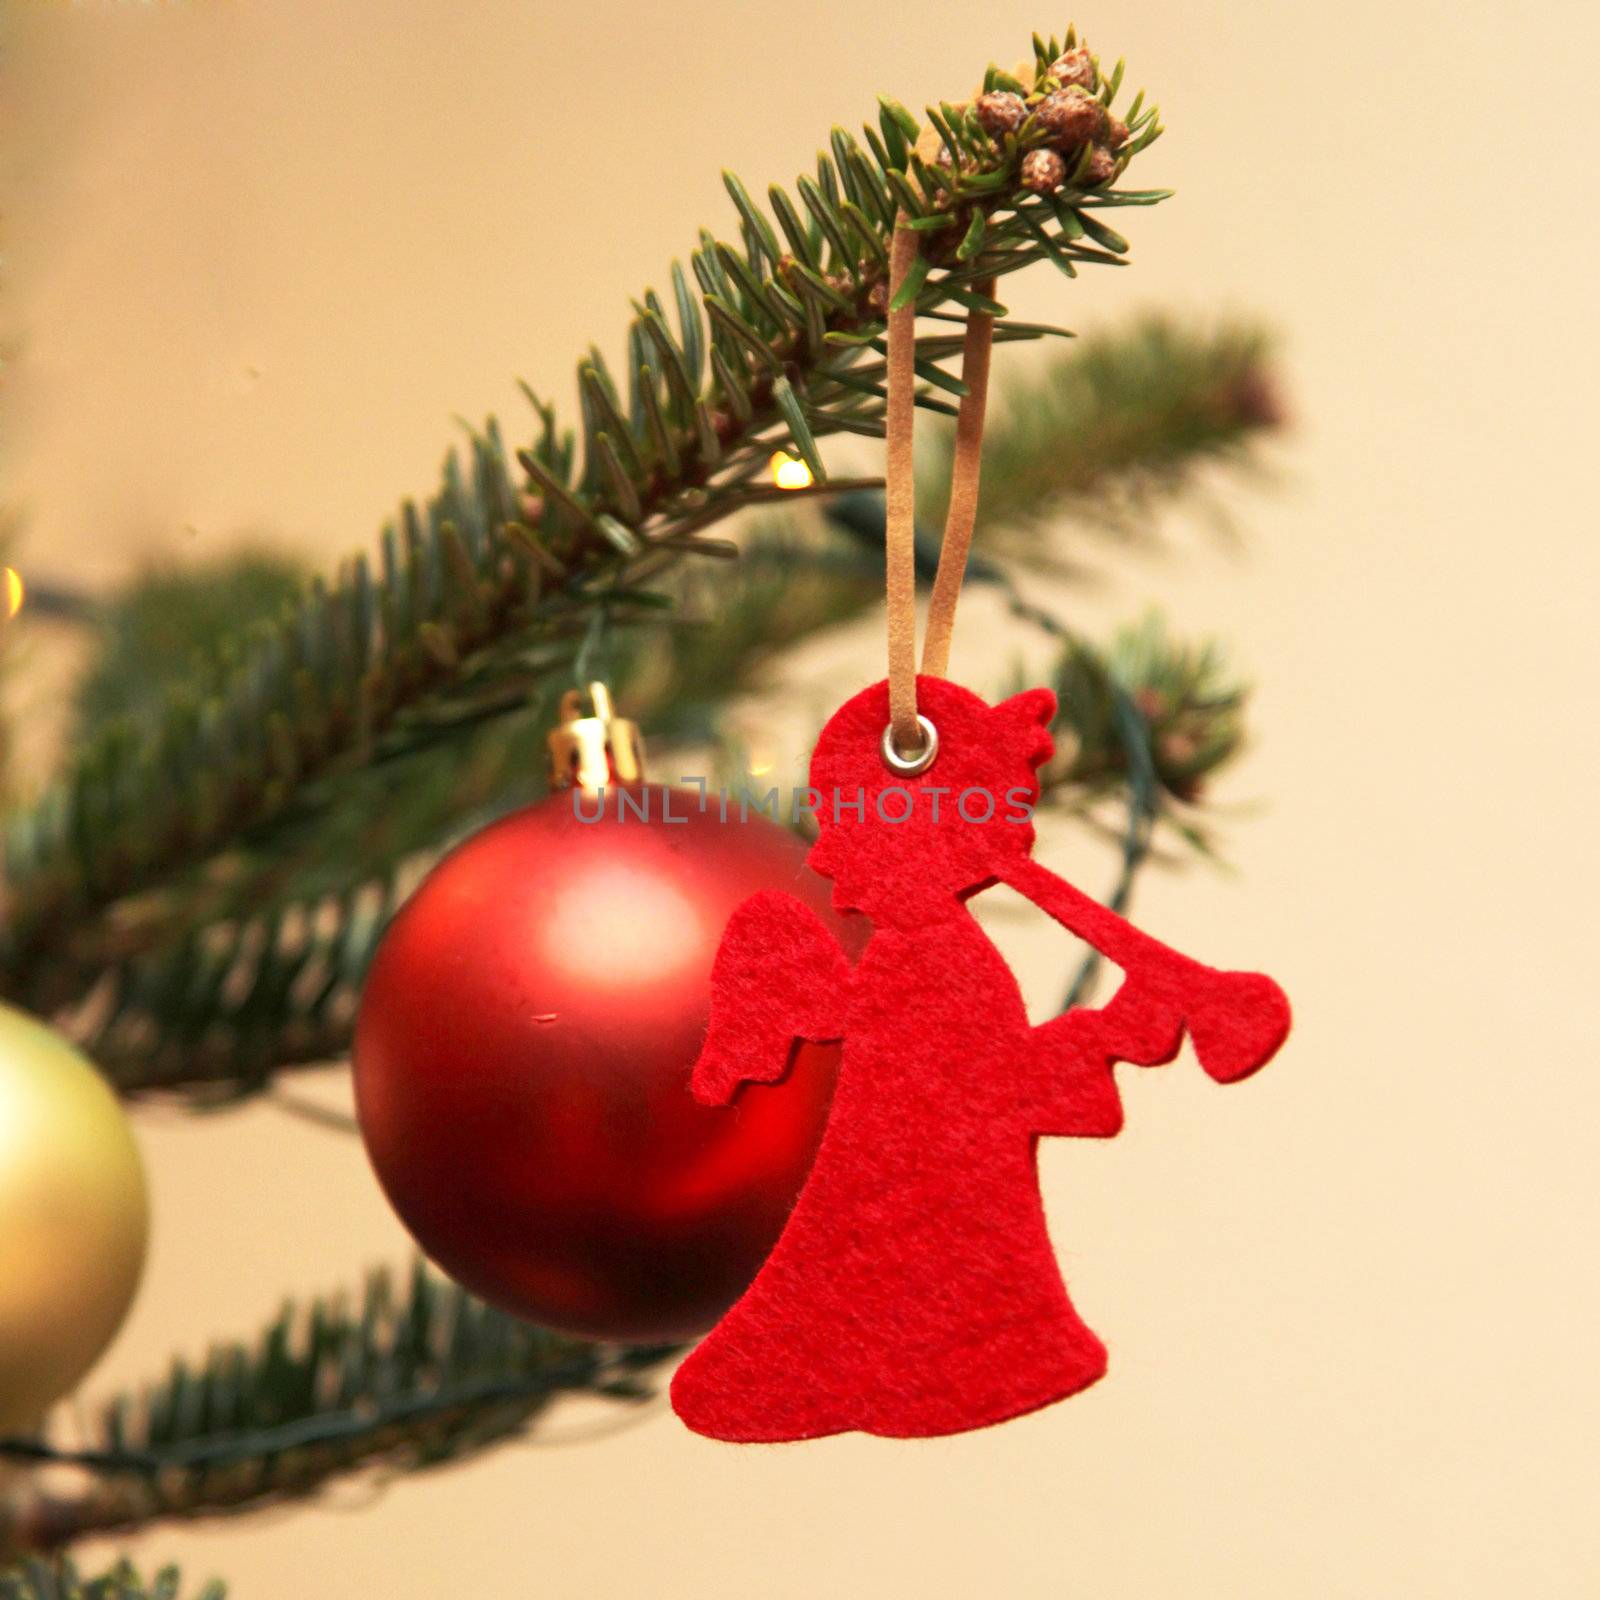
905 736
900 520
965 470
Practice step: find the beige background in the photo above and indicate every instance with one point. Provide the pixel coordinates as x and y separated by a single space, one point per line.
260 253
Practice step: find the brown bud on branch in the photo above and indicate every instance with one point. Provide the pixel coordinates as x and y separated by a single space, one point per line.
1043 171
1071 117
1075 67
1000 112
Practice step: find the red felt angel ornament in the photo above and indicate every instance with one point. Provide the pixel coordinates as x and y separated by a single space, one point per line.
914 1290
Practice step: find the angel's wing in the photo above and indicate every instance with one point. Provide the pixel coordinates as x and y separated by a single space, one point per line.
779 975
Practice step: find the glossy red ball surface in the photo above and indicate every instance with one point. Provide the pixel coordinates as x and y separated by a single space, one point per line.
522 1060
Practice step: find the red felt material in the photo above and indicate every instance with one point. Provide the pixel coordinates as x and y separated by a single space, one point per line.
914 1290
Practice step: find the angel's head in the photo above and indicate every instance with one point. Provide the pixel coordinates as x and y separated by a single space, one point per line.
894 843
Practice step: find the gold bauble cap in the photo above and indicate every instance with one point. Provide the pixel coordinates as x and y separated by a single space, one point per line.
591 747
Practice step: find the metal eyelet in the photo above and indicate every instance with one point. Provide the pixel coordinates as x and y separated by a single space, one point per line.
908 766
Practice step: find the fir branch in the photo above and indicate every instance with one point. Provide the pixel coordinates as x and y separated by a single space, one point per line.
403 1382
257 981
1190 704
171 623
1147 407
1145 723
481 592
60 1580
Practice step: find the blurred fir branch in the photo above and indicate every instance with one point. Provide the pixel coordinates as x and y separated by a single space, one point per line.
1191 710
489 587
173 622
1146 724
1145 407
398 1381
60 1580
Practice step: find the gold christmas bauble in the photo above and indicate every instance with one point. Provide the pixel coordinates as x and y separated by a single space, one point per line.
74 1217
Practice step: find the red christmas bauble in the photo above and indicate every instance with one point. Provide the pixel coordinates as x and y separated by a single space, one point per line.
522 1060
